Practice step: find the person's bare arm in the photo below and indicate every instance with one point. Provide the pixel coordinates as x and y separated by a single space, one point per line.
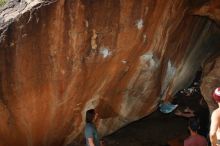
214 128
187 115
188 110
91 142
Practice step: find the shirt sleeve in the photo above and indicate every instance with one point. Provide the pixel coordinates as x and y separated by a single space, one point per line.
89 132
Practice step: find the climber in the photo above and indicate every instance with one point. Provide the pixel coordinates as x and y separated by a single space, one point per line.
201 113
91 133
194 139
214 133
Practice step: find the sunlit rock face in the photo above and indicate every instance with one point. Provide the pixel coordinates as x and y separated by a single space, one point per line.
120 57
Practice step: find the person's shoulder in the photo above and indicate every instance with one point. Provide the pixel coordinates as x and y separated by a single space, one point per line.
216 112
202 139
187 141
89 125
89 128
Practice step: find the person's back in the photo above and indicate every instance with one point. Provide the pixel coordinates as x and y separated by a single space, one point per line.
196 140
215 120
215 126
91 132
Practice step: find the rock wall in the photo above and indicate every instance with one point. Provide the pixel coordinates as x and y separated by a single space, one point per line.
120 57
211 80
210 9
211 74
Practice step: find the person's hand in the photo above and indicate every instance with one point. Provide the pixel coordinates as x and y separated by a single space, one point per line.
188 110
186 113
178 113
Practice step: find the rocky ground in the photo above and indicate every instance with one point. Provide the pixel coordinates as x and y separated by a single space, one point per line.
158 129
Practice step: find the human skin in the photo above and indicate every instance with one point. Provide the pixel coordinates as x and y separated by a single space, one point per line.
214 128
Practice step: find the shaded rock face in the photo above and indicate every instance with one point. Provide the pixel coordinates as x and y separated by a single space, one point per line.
211 80
211 9
120 57
211 74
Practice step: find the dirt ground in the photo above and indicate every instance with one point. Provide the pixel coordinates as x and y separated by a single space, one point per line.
157 129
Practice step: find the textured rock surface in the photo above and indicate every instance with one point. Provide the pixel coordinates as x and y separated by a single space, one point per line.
211 79
211 73
120 57
211 9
